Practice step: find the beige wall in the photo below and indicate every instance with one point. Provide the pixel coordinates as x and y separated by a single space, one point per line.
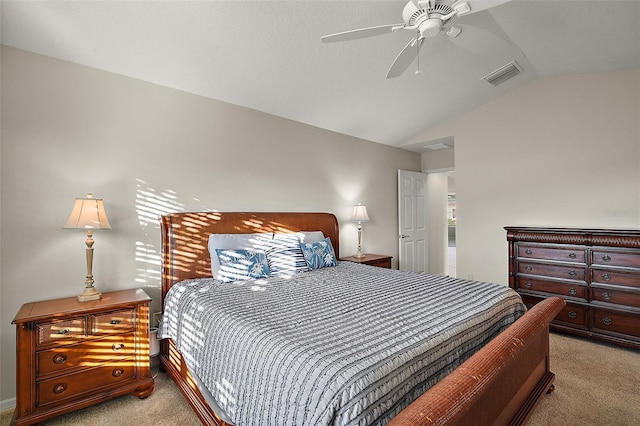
559 151
68 130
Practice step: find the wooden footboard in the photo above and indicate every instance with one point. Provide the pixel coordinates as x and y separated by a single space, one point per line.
500 384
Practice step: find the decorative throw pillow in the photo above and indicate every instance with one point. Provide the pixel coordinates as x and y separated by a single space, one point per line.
240 265
284 255
319 254
251 242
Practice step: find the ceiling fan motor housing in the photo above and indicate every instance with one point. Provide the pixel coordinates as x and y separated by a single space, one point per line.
427 18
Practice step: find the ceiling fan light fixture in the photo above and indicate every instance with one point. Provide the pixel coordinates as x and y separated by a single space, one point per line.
462 7
453 32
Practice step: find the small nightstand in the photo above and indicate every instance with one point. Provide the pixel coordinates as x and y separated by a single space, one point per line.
378 260
74 354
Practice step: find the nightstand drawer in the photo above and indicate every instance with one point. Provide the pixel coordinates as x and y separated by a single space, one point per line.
84 355
382 263
114 322
61 388
61 331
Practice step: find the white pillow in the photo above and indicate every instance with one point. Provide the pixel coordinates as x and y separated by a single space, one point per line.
254 242
285 255
310 236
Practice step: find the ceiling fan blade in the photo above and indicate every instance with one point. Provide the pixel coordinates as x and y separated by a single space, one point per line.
475 5
478 40
361 33
404 58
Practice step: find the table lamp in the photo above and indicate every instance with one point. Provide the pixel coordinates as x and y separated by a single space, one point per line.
88 213
359 214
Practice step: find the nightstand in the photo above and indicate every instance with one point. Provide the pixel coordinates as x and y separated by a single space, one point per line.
72 354
379 260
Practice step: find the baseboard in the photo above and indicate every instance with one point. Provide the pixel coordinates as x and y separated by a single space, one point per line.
7 404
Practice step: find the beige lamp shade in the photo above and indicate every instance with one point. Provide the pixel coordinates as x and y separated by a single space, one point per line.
359 214
88 213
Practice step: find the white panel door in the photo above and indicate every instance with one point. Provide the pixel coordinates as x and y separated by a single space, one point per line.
412 221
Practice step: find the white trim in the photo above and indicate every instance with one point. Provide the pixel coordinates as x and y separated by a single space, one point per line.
7 404
443 170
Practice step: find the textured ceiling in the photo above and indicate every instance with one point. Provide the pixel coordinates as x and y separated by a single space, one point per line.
267 55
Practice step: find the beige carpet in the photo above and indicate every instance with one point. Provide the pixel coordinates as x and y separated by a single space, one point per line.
596 384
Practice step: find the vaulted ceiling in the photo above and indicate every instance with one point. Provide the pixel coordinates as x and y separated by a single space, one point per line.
268 55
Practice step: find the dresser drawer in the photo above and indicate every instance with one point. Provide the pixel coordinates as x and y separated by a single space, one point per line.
609 321
577 254
61 331
554 287
573 314
576 315
627 279
114 322
84 355
555 271
626 259
616 296
58 389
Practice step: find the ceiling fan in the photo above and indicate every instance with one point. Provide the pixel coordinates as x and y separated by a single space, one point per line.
428 18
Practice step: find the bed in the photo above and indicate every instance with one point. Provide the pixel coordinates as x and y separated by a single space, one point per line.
498 384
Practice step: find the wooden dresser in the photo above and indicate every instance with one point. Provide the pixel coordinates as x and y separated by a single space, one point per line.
71 354
597 271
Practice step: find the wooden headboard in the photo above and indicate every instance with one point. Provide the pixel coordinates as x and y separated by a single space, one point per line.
185 237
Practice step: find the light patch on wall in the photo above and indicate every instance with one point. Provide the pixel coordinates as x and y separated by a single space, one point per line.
150 204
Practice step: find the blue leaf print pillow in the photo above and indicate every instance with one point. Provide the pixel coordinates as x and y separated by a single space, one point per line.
319 254
240 265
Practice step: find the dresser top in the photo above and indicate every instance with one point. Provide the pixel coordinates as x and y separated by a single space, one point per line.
609 237
577 230
48 309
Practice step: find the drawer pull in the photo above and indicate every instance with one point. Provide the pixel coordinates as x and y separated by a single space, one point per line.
528 251
59 359
117 346
115 321
573 314
528 267
527 284
606 277
573 273
117 372
64 331
606 296
606 258
572 255
572 291
59 388
607 321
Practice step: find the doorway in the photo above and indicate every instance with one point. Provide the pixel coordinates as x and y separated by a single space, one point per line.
451 233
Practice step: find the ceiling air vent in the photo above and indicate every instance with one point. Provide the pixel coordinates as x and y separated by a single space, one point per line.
503 74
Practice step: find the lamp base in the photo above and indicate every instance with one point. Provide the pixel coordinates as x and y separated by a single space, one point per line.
359 255
89 293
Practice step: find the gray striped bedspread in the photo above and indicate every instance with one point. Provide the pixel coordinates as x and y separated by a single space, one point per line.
347 345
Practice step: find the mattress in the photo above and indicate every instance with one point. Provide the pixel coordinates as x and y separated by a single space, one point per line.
345 345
